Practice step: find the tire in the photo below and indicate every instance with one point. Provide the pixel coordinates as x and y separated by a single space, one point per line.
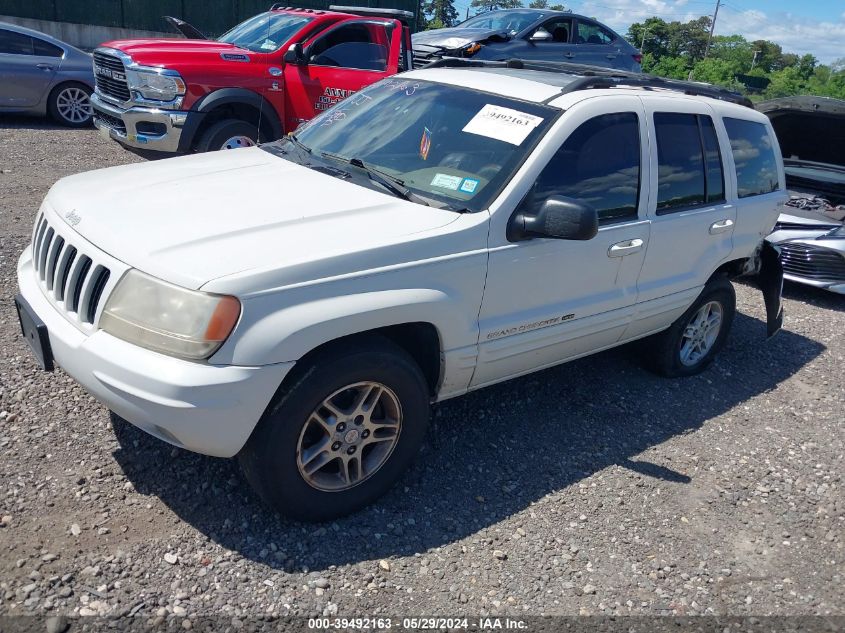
673 354
69 104
227 134
279 458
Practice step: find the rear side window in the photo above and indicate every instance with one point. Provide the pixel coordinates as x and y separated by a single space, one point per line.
598 164
13 43
689 166
591 33
45 49
754 157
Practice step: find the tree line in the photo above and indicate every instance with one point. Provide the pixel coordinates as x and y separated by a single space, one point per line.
679 50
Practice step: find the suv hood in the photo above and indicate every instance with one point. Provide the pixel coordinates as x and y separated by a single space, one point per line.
171 50
809 128
453 38
192 219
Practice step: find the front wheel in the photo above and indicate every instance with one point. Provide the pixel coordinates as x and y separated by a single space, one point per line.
228 134
343 432
693 340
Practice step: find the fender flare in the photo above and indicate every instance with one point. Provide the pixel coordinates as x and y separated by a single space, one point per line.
226 96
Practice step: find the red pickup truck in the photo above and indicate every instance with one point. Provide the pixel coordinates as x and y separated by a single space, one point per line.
256 82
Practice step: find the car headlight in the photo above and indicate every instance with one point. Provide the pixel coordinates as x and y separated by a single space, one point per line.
156 86
471 49
160 316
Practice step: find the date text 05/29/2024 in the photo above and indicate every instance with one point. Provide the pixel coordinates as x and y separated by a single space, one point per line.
421 624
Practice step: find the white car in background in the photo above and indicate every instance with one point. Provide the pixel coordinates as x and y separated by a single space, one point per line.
301 304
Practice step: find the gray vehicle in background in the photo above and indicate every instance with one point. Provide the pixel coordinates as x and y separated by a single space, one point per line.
536 35
42 75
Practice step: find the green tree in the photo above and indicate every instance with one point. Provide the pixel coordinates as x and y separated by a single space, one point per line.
538 4
785 83
492 5
769 55
440 13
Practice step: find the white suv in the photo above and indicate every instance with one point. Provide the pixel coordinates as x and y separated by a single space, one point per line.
301 304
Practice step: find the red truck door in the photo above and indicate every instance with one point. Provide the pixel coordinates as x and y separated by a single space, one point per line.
338 62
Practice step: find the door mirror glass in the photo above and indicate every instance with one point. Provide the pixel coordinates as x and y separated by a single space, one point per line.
557 218
541 35
294 54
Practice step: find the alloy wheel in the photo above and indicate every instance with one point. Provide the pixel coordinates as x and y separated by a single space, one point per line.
73 105
701 332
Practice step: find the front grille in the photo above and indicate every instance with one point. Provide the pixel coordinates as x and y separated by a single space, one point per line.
812 262
425 55
71 279
110 86
111 121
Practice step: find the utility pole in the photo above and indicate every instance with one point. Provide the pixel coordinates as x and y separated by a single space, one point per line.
642 44
712 28
754 61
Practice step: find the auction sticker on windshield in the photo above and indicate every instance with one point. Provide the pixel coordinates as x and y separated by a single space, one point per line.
445 181
503 124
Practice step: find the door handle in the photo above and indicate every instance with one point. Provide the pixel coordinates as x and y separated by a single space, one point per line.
628 247
611 56
721 226
569 55
44 66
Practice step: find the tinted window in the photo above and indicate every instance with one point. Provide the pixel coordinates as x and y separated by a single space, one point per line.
713 158
754 157
599 164
680 167
15 43
590 33
558 29
45 49
355 45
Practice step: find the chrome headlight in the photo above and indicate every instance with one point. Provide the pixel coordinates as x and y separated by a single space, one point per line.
160 316
156 85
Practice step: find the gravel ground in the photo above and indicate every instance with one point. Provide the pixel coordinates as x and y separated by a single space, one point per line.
594 487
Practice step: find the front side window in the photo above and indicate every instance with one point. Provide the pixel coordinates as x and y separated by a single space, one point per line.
360 45
558 29
13 43
598 164
591 33
265 32
449 144
754 157
689 166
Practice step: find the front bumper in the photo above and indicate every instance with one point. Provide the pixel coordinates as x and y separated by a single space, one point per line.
145 128
811 261
210 409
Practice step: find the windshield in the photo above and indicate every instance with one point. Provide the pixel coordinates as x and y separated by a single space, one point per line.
257 35
511 21
453 145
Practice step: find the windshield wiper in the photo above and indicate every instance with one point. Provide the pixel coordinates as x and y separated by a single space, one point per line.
393 184
292 138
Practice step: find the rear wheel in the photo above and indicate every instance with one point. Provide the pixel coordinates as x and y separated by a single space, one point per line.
228 134
343 432
694 339
69 104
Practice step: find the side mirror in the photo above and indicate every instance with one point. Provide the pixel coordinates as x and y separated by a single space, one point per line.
558 218
294 54
541 35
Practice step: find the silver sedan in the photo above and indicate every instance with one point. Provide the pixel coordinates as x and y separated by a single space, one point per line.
42 75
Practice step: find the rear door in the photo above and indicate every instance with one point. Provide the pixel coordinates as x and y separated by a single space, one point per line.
692 221
27 68
338 62
595 45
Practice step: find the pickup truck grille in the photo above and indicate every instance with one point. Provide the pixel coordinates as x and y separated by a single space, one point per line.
72 280
812 262
110 77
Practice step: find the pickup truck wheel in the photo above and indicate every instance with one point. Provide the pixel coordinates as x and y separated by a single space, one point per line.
228 134
342 434
69 104
694 339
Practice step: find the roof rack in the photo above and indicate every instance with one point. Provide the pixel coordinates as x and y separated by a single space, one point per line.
594 77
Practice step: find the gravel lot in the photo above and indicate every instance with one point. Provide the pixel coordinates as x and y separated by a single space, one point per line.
594 487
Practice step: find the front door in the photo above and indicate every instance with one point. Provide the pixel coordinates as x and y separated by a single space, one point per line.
337 63
554 45
27 67
692 224
549 300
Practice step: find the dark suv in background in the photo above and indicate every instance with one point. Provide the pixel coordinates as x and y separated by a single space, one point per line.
531 35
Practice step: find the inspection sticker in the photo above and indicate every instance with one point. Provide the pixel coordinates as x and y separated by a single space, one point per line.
445 181
469 185
503 124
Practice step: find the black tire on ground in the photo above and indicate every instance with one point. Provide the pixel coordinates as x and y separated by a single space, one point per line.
65 101
662 352
219 133
270 458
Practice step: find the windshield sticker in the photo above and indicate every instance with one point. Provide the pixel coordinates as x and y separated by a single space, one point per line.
445 181
503 124
469 185
425 144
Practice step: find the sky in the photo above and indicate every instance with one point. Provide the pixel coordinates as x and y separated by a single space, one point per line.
811 26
